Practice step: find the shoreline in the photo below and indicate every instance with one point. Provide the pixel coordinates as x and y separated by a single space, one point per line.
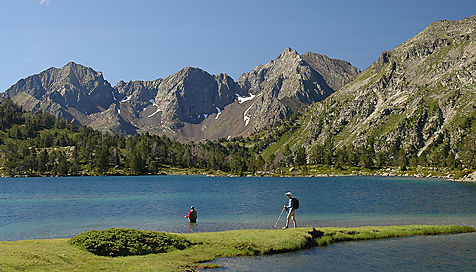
460 176
60 255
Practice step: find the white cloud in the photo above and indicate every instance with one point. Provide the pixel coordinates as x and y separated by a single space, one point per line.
45 2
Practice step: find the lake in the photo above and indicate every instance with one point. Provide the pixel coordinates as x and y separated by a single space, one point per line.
35 208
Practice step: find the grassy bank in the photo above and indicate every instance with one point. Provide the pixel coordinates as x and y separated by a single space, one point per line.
326 171
59 255
461 175
418 172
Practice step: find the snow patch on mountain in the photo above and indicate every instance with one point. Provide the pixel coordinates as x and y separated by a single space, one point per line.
127 98
242 99
245 117
156 111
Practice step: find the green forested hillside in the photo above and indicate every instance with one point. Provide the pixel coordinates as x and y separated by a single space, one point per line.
37 143
415 106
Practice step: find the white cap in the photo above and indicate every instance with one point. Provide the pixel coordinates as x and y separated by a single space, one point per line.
288 193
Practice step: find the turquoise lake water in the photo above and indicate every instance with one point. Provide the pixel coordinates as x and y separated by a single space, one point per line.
420 253
32 208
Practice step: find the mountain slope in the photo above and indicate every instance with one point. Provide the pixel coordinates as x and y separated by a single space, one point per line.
188 104
39 144
418 99
277 90
74 92
73 85
164 106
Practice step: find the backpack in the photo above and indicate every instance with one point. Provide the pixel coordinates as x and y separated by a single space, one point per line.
295 203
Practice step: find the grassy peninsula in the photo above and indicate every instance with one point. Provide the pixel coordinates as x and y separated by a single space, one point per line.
60 255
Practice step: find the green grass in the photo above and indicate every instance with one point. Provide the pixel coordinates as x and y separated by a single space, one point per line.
125 242
60 255
293 138
438 57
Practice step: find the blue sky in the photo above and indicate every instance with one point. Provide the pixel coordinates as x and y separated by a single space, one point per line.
145 40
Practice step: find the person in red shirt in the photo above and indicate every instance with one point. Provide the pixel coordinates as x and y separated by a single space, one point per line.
192 215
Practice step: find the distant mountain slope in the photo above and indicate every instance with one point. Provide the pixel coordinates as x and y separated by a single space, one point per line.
73 85
418 99
74 92
289 82
166 105
188 104
39 144
274 91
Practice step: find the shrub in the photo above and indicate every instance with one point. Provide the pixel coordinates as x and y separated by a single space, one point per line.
123 242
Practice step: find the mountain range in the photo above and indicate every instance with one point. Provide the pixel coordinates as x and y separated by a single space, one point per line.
416 102
191 103
418 99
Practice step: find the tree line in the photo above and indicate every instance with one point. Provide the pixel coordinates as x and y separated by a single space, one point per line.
440 154
37 143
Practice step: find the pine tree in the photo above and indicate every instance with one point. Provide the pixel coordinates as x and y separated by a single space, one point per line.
42 161
101 159
62 168
11 157
301 156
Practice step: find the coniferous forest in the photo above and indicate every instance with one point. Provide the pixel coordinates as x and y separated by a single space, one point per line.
39 144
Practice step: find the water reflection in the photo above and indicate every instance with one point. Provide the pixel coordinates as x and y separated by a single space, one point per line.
191 226
420 253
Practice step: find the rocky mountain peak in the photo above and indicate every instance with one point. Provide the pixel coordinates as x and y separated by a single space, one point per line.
73 85
334 71
448 27
189 71
288 53
74 66
290 82
78 73
418 98
192 93
190 75
189 102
